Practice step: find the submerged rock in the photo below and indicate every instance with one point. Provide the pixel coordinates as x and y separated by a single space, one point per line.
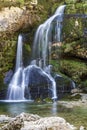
4 119
27 121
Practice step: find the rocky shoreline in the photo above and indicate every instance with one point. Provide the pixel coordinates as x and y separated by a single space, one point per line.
82 102
26 121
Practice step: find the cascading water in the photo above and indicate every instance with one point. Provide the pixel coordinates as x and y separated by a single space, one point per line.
16 89
43 41
23 77
19 53
45 35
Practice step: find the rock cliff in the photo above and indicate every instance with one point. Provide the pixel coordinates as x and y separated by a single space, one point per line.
24 17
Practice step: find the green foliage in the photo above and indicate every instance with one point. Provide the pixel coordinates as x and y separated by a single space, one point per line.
48 100
83 86
7 55
55 64
75 69
21 2
69 97
72 29
7 3
26 54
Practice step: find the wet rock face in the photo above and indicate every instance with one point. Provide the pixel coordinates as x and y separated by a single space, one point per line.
27 121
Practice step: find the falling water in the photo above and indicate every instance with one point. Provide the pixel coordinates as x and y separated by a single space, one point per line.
43 38
19 53
16 88
46 33
43 41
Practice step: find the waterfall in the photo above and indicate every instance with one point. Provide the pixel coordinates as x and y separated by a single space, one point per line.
23 77
43 41
16 87
19 53
44 34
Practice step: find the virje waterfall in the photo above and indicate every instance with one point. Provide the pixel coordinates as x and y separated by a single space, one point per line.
23 77
16 89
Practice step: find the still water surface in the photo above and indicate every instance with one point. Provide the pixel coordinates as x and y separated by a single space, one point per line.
42 109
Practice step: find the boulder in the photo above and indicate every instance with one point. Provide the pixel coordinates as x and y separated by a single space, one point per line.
14 18
17 122
26 121
48 123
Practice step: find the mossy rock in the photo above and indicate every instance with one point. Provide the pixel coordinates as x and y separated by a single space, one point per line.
83 86
48 100
74 68
39 100
69 97
75 48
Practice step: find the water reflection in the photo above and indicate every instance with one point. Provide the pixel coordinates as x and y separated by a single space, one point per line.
54 109
75 116
42 109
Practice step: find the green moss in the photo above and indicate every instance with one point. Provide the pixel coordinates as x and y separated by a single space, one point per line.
26 54
7 57
38 100
73 68
48 100
83 85
21 2
69 97
71 31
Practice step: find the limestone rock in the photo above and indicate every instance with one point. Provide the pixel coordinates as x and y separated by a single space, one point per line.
76 90
48 123
27 121
82 128
17 122
15 18
34 2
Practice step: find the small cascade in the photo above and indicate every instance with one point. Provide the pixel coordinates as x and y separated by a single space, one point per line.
53 87
16 88
73 85
46 33
39 69
19 53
